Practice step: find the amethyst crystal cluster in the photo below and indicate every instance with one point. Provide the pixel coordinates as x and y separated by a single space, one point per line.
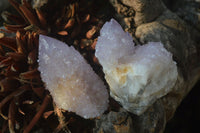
137 75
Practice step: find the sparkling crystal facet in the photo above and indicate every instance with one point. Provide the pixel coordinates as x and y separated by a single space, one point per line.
137 75
71 81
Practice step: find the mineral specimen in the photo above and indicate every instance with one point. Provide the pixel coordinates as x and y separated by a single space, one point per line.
70 80
137 75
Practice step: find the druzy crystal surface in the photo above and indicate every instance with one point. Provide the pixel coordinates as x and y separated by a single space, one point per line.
70 79
137 75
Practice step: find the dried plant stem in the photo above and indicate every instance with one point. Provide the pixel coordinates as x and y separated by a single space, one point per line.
59 113
41 18
61 118
11 116
29 15
9 97
16 6
45 102
9 42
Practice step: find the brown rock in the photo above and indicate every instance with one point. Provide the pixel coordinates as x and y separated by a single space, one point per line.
115 122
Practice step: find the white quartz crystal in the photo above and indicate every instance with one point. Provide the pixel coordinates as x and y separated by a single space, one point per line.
70 80
137 75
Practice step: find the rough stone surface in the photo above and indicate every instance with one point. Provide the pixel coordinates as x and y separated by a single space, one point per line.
188 11
151 121
137 75
115 122
145 10
71 81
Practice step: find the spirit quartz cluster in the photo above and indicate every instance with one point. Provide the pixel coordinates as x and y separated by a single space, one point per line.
70 80
137 75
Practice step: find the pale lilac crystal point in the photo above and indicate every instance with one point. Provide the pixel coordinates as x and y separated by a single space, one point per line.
70 80
116 44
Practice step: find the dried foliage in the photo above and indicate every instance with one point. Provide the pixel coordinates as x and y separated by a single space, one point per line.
24 103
